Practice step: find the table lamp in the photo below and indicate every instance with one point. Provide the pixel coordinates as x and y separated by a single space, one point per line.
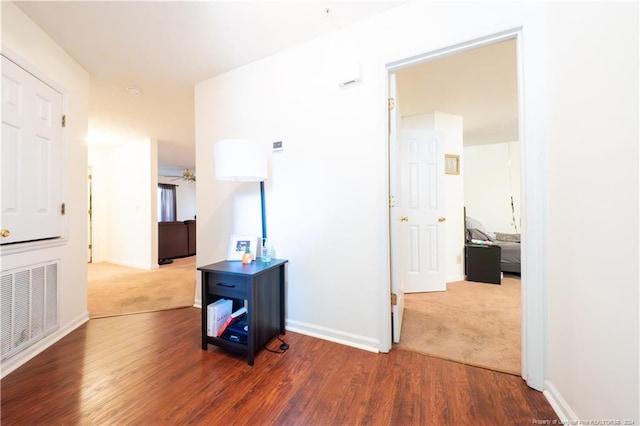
240 160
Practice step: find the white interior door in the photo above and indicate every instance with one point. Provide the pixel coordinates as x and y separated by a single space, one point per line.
397 307
421 204
31 157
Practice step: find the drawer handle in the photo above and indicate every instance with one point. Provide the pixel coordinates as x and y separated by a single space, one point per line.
226 285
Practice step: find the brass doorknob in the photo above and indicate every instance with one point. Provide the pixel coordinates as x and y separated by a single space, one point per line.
404 219
442 219
5 233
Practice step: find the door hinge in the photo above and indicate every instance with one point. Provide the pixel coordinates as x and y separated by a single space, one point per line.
392 103
90 246
62 209
394 299
64 120
392 201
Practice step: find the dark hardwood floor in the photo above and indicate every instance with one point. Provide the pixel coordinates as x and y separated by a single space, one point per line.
149 369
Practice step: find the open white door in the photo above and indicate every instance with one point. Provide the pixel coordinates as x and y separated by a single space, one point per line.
397 304
422 238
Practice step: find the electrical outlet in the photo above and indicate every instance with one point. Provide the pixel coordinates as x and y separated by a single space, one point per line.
277 146
459 259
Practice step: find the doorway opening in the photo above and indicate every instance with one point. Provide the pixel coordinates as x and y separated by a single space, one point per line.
477 84
119 284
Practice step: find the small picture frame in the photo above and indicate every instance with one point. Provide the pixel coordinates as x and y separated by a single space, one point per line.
451 164
238 244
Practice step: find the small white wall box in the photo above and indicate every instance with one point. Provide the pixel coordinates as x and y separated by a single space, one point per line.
217 314
349 74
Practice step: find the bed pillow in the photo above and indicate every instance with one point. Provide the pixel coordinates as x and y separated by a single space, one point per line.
471 223
476 234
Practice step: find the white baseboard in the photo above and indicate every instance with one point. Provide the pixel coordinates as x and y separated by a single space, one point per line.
559 404
21 358
131 265
325 333
337 336
455 278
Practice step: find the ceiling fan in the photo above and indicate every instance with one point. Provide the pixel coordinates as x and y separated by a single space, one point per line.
187 176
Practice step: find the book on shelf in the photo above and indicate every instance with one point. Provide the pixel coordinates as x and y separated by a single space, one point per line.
217 314
234 316
237 331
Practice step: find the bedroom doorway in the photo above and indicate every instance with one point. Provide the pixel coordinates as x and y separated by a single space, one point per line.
479 83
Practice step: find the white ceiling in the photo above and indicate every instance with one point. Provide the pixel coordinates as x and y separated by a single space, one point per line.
480 85
165 47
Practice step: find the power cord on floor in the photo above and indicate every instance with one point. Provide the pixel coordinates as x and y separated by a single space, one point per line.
284 346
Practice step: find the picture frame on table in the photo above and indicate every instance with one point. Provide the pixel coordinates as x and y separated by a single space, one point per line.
238 244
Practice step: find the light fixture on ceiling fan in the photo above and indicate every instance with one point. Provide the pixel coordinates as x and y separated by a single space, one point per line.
187 176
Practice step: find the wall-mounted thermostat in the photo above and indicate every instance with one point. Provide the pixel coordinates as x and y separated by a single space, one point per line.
277 146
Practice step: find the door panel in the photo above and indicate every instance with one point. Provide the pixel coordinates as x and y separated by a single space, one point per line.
31 157
421 236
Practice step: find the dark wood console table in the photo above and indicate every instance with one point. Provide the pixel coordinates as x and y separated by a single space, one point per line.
258 285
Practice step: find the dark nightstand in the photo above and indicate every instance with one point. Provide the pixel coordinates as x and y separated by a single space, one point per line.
483 263
260 286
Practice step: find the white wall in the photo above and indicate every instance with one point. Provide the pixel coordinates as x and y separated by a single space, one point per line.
491 178
593 208
327 192
24 42
185 197
125 203
450 126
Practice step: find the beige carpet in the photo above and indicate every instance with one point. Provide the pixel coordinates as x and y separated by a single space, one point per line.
472 323
119 290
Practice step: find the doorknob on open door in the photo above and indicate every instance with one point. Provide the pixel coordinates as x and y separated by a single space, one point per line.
404 219
442 219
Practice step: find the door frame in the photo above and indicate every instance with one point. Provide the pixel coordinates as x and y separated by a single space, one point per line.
90 214
533 201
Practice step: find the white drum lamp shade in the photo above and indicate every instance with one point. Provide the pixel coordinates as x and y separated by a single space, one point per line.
240 160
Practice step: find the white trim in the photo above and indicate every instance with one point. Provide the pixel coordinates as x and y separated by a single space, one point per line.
325 333
15 248
532 134
332 335
533 160
386 331
559 404
28 67
131 265
455 278
21 358
455 49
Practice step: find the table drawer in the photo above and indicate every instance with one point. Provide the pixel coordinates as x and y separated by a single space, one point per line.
228 285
